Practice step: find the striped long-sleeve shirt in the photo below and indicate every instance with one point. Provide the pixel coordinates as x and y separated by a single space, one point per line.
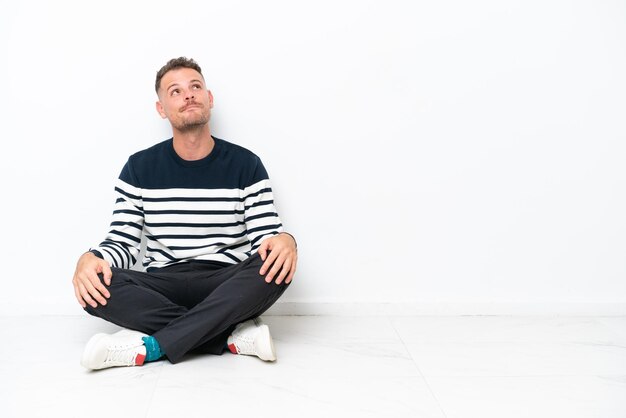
216 210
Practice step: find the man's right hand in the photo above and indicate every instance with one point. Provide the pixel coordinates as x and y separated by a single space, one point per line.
88 287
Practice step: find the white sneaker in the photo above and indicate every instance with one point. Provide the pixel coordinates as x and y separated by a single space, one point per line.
124 348
252 338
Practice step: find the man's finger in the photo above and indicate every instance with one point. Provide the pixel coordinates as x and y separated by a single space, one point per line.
79 298
268 262
284 270
97 284
276 267
107 273
86 296
292 271
93 292
263 250
281 275
271 273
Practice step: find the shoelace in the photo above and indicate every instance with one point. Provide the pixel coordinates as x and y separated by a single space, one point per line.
244 344
121 355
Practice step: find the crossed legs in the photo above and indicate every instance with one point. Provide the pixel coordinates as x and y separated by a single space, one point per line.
189 307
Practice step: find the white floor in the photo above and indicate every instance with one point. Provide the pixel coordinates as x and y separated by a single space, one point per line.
333 367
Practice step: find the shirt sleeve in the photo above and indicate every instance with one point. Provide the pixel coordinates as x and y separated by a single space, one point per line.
261 218
121 245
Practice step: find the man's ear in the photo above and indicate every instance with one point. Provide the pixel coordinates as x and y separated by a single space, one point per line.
160 110
210 99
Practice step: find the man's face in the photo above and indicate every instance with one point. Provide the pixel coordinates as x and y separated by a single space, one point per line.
184 99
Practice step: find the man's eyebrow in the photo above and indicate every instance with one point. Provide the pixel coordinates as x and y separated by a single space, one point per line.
195 80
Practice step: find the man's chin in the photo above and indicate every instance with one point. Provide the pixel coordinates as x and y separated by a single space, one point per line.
190 126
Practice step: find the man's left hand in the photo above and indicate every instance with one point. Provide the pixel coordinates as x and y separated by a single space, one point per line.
280 257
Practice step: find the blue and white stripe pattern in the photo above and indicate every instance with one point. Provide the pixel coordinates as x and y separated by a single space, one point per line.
218 209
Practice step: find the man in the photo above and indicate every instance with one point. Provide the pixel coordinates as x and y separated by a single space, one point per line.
216 255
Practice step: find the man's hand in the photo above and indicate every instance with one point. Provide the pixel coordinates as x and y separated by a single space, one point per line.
88 287
281 260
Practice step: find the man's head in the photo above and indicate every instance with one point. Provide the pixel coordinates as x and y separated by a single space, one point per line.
183 97
174 64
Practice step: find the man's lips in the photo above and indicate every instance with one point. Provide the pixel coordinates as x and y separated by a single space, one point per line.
191 106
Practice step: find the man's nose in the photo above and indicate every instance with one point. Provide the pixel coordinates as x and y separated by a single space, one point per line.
189 95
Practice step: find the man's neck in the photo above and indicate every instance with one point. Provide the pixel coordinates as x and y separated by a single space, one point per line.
193 145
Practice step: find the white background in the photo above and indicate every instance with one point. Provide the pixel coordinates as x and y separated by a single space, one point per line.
445 156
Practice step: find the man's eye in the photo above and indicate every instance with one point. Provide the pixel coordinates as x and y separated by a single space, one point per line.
174 92
196 86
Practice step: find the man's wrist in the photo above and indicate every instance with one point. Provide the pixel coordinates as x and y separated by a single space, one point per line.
292 237
95 252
